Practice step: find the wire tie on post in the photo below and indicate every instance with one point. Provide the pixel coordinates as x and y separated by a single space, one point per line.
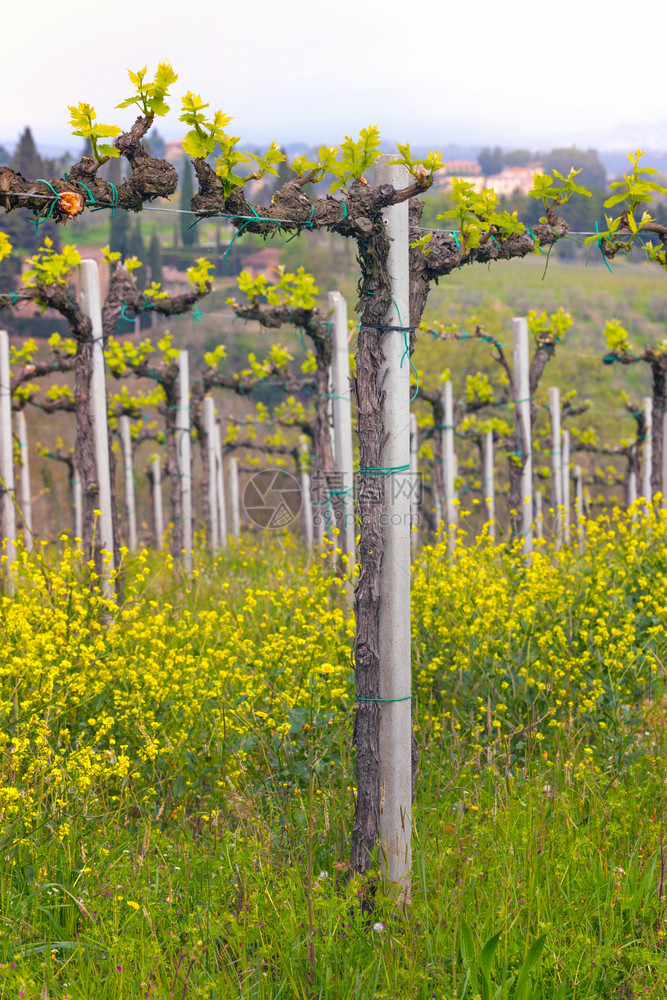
371 471
407 697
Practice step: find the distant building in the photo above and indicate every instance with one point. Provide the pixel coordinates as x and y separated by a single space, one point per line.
264 261
174 151
505 184
513 179
175 282
458 168
445 181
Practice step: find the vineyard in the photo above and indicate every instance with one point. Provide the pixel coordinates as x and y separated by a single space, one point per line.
334 667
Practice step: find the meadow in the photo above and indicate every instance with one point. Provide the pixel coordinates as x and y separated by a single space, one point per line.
177 788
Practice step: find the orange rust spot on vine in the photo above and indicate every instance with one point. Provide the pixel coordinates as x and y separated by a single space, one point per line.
71 203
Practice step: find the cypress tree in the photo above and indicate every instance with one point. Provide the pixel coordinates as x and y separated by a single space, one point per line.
137 248
25 159
155 144
188 236
155 258
119 227
22 232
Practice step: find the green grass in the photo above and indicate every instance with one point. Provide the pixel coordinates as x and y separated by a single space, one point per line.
217 867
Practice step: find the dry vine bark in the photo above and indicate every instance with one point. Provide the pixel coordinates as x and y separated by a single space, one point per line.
656 358
632 452
358 218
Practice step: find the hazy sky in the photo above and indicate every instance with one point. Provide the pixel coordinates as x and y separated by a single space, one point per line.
513 73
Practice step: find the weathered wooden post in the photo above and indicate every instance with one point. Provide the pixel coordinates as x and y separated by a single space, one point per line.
449 464
77 498
664 459
647 492
220 488
128 468
184 458
556 472
579 503
523 428
437 504
306 499
158 511
8 510
26 496
92 306
212 485
395 737
565 480
488 484
342 420
234 491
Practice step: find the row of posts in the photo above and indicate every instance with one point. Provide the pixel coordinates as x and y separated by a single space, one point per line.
91 302
531 514
394 634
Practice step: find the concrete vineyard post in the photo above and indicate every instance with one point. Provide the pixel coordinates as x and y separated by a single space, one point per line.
234 491
184 458
342 419
92 306
26 498
128 468
449 463
556 476
414 472
8 511
220 488
565 484
307 503
523 427
395 737
488 483
647 492
212 485
158 512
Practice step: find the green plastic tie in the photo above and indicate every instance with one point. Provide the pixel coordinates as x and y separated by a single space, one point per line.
406 352
38 222
100 206
87 190
597 230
